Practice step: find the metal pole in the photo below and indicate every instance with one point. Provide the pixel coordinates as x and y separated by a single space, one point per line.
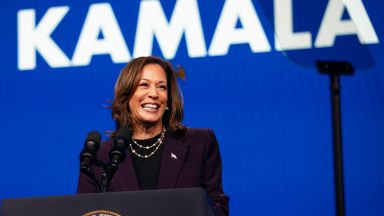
337 144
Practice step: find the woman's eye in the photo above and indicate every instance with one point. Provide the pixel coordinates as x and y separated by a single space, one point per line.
143 84
163 87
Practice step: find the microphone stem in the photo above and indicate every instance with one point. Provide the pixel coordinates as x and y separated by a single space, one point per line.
104 182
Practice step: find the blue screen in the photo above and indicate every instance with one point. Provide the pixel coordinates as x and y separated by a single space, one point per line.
250 75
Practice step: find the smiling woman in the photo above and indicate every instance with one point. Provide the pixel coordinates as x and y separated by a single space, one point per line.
145 89
149 101
162 152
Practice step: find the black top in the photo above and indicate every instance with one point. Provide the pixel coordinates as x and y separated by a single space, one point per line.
147 169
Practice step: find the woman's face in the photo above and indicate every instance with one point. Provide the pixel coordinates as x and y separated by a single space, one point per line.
149 100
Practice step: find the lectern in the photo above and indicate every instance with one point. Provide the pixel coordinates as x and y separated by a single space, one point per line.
167 202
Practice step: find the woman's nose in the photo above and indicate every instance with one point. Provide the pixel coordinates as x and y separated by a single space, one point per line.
153 92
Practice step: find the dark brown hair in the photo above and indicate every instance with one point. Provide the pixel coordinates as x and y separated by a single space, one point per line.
126 85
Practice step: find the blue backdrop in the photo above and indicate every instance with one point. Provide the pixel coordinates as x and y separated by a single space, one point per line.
250 76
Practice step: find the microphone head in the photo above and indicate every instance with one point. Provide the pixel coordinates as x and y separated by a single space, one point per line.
124 133
120 143
93 141
88 154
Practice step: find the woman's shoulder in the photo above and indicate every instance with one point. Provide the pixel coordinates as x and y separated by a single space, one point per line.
196 134
185 131
199 131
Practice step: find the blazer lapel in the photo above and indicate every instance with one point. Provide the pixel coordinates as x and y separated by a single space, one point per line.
174 154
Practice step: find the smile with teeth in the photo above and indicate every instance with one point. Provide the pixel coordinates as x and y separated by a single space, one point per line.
150 106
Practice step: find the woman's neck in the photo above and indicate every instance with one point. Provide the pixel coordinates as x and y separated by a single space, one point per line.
142 132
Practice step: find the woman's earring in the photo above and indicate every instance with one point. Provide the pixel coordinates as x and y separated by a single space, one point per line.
166 108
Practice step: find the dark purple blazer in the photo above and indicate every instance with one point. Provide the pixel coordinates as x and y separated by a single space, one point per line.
191 160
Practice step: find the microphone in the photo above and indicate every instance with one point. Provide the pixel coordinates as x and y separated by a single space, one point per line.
120 144
88 154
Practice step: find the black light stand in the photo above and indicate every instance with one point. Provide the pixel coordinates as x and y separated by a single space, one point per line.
334 69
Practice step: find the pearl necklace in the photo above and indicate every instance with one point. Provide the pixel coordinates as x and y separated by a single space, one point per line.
157 144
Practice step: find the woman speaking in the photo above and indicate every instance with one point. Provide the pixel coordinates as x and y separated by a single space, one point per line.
162 152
